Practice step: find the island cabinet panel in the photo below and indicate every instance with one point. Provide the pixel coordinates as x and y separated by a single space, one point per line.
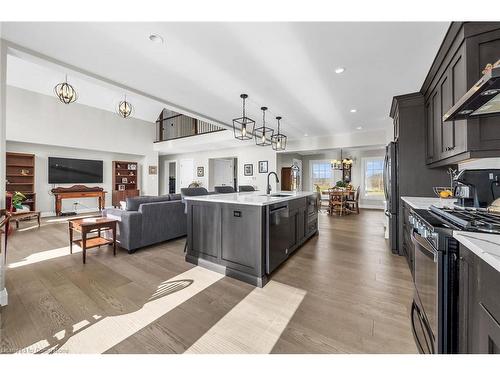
478 305
467 300
242 237
297 215
204 224
247 241
466 50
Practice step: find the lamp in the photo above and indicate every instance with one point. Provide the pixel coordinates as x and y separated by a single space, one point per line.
243 127
125 109
264 134
279 140
65 92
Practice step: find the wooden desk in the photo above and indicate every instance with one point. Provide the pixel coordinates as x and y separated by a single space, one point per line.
91 225
78 191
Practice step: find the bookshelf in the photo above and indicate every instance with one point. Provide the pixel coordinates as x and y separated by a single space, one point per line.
125 181
20 176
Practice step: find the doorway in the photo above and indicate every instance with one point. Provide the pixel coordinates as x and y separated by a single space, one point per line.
171 177
222 172
186 173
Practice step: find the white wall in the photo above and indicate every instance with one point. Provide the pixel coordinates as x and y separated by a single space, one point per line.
3 71
40 119
45 199
246 155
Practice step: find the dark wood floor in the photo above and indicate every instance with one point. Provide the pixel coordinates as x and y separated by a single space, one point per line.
343 292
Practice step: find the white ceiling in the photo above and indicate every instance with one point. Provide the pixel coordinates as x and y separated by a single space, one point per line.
288 67
42 79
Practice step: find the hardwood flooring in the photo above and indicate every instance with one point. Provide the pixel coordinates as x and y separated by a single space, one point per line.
342 292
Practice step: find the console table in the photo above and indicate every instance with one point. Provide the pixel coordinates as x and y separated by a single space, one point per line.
78 191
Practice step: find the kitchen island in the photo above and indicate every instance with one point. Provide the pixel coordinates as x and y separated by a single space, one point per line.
248 235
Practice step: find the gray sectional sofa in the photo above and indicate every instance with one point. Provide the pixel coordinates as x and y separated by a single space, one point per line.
148 220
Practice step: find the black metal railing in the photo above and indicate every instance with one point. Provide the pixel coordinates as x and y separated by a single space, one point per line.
171 125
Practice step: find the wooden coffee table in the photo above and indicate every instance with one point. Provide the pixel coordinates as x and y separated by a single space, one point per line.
88 226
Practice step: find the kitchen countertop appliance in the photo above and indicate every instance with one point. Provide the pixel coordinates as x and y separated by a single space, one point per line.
477 188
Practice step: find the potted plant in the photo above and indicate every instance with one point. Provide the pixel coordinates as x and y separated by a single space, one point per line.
17 199
341 184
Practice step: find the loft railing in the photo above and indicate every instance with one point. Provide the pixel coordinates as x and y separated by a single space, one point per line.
171 125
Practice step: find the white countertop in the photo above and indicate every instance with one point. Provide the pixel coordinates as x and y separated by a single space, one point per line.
486 246
253 198
426 202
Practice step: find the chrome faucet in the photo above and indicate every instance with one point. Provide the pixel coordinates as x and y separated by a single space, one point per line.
268 191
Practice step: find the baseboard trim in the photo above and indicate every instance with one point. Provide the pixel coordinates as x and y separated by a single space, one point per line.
4 297
371 207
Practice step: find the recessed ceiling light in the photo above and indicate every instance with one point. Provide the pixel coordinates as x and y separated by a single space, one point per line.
155 38
305 135
354 110
359 128
339 70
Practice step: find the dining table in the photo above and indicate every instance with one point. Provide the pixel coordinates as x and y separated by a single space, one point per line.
339 194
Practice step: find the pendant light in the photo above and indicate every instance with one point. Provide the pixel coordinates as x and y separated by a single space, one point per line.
343 163
65 92
125 108
243 127
279 140
264 134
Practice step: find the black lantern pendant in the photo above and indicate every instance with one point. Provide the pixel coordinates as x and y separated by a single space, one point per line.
279 140
65 92
264 134
243 127
125 109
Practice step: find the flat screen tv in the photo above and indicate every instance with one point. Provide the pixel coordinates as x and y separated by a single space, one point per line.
74 171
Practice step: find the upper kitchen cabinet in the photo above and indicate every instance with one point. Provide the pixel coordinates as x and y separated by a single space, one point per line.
464 53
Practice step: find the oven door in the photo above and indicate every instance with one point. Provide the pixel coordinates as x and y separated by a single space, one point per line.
425 304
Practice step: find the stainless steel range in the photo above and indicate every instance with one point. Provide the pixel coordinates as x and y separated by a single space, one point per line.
434 314
470 219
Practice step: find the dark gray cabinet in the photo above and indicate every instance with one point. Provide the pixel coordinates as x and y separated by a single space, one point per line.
467 48
247 242
478 305
408 248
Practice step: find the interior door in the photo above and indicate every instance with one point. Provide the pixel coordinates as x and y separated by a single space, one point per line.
223 172
186 172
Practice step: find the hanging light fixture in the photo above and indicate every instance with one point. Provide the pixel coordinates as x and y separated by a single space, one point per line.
264 134
125 108
65 92
243 127
279 140
343 163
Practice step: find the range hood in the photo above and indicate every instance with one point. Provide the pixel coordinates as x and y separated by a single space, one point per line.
482 100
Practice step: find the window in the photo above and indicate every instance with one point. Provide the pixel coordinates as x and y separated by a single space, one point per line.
373 178
321 174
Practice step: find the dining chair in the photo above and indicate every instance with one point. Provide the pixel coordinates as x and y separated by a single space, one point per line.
353 204
245 188
336 202
224 189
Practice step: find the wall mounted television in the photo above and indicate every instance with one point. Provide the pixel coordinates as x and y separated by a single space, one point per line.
74 171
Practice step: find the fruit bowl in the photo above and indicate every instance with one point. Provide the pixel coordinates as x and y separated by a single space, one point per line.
444 192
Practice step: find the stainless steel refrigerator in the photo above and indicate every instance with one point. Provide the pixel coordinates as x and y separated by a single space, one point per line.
391 193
